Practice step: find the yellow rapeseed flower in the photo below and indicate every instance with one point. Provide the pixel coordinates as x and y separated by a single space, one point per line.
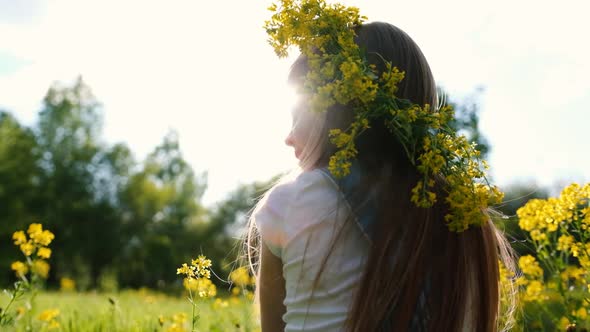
581 313
219 303
534 292
34 229
20 311
44 252
174 327
41 268
48 315
240 276
20 268
179 318
202 287
185 269
67 284
27 248
529 266
19 238
53 324
43 238
565 242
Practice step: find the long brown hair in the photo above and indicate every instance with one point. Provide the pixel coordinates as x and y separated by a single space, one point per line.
419 275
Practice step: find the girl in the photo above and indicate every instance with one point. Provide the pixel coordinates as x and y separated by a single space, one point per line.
355 253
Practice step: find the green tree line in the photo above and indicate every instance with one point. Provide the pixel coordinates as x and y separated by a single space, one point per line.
117 221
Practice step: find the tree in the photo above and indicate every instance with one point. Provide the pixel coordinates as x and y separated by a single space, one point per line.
73 161
467 119
19 182
159 204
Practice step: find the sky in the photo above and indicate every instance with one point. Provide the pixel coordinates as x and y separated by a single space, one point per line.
204 69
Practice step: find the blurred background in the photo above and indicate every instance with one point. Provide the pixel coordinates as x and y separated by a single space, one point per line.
141 133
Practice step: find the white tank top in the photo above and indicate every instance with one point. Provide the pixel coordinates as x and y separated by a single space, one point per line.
301 220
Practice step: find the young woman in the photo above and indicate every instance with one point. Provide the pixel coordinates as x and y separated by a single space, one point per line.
354 253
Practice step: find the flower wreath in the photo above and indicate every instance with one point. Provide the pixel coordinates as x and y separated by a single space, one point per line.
340 74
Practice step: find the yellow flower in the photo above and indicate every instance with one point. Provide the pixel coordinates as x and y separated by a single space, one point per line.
53 324
240 276
203 287
565 242
534 292
43 238
581 313
41 268
537 235
34 229
529 266
27 248
44 252
201 262
19 268
564 323
48 315
185 269
219 303
174 327
179 318
19 238
67 284
20 311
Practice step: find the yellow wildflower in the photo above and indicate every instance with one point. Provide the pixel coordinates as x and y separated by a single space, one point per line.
203 287
20 268
19 238
27 248
53 324
564 323
67 284
534 292
44 252
48 315
537 235
34 229
581 313
219 303
185 269
179 318
240 276
564 242
174 327
529 266
43 238
41 268
20 311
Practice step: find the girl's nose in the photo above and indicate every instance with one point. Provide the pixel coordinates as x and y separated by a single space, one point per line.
289 139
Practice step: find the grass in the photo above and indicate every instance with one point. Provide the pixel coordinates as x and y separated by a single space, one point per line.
135 311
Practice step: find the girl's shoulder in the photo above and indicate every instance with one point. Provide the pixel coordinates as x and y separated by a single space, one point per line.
295 204
312 191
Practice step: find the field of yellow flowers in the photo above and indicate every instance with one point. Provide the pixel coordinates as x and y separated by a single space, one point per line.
139 310
27 308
